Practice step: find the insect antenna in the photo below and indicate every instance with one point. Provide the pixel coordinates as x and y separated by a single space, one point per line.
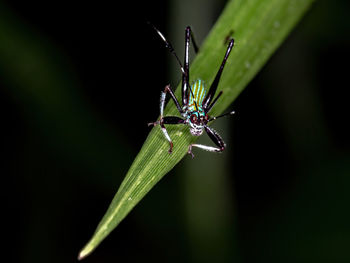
222 115
168 45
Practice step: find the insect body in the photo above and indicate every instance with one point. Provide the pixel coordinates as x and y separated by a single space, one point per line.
196 103
195 113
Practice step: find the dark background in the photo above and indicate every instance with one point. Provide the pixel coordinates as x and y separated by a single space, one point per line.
79 82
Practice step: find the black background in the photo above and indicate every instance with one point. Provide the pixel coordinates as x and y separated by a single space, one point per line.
290 154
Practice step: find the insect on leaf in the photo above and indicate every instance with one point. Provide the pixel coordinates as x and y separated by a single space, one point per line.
259 27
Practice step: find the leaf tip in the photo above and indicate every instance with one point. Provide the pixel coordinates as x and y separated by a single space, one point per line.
85 252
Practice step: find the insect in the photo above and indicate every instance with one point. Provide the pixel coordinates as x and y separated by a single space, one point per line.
196 102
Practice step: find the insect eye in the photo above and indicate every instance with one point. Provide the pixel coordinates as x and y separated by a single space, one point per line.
193 118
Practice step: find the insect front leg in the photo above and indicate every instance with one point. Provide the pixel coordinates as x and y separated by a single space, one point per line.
168 120
215 137
167 89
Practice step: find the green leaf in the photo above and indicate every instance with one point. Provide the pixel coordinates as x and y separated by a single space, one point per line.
259 27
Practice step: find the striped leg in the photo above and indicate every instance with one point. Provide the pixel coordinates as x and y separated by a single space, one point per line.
215 137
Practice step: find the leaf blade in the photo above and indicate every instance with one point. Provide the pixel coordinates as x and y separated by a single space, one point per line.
259 28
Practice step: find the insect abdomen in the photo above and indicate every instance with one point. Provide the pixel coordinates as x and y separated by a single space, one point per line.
198 95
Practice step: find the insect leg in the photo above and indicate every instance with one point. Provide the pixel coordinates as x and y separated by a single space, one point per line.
213 103
173 120
162 103
185 69
171 92
215 83
168 120
215 137
186 74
